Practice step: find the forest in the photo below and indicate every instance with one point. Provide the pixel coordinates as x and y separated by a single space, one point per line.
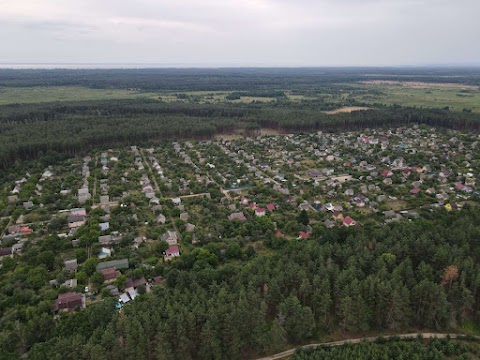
34 131
397 277
394 349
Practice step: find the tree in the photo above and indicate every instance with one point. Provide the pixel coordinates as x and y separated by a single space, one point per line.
303 218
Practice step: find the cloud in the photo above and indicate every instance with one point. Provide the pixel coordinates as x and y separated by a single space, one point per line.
248 32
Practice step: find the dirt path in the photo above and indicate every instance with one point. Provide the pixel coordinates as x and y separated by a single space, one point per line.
290 352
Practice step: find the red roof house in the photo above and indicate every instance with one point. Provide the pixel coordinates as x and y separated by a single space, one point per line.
172 251
303 235
69 302
271 207
348 221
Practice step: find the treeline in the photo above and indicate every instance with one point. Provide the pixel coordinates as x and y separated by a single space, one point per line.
395 349
424 274
228 79
33 131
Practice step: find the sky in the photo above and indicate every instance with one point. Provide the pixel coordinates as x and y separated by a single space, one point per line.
241 32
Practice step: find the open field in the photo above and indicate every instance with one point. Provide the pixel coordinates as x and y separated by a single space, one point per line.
420 84
413 94
456 96
24 95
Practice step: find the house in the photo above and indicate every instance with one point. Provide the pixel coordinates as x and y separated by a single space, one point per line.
270 207
139 240
70 265
113 238
329 224
75 221
27 205
4 252
348 221
124 298
83 195
237 216
303 235
78 212
189 227
176 201
414 191
337 215
116 264
104 226
109 275
279 234
161 219
170 237
260 212
172 251
68 302
184 216
72 283
135 283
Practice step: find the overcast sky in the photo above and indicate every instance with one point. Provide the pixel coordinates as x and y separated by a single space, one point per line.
241 32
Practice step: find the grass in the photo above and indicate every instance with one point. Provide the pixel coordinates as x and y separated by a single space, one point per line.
471 328
65 93
429 97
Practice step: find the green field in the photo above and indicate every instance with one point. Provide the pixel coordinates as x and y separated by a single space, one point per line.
425 95
430 96
24 95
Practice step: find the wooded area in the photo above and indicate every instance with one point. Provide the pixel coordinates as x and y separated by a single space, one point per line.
33 131
423 274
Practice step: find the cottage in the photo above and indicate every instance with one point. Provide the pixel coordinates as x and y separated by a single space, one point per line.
161 219
172 251
78 212
6 252
348 221
75 221
109 275
68 302
237 216
260 212
170 237
27 205
70 265
133 284
116 264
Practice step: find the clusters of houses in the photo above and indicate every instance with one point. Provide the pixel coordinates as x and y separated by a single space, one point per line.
191 192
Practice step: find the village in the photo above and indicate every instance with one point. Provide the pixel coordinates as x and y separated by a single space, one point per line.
110 223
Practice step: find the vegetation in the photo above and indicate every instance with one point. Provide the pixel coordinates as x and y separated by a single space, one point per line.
396 349
253 284
339 282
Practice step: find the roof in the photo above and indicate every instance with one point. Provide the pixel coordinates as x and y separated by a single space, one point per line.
109 274
76 218
172 250
304 235
6 251
135 282
348 220
117 264
271 207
